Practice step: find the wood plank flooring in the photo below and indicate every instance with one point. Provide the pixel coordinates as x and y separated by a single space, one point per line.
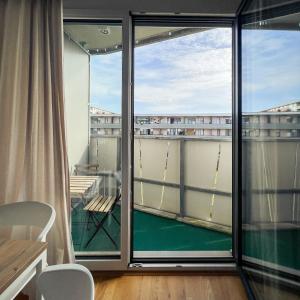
167 287
174 287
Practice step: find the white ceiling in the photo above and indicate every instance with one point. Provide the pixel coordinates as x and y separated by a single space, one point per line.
289 22
94 37
103 39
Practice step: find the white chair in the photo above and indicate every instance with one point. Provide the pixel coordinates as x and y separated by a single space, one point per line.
66 282
29 213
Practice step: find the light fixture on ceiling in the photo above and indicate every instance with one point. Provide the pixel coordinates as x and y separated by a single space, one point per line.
263 23
105 30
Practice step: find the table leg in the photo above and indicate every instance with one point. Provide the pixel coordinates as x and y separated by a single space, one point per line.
39 268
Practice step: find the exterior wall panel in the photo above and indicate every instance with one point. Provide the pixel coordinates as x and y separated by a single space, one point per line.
76 80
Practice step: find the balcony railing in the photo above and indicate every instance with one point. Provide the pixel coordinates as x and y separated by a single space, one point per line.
189 178
185 178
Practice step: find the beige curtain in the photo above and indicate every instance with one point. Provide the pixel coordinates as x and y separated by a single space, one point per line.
33 155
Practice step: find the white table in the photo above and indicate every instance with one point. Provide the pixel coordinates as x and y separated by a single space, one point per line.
21 262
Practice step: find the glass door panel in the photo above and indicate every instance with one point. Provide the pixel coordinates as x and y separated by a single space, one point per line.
182 141
270 150
93 87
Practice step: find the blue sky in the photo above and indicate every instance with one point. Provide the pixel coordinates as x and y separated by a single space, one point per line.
271 68
106 81
192 74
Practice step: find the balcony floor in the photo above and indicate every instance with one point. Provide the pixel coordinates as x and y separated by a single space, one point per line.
151 233
277 246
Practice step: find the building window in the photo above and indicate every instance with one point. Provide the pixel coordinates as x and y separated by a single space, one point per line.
191 121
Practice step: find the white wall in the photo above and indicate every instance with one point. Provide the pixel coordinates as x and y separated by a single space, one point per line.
76 80
207 7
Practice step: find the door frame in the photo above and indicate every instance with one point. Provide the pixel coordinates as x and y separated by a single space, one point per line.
125 260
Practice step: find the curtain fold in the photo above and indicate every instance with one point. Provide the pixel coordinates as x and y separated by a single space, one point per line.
33 154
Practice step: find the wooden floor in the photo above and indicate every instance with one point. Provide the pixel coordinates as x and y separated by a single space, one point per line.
163 287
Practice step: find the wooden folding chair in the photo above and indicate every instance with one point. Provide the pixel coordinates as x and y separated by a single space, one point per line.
101 205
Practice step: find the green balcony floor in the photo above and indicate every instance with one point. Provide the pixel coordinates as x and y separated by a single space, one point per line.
154 233
151 233
279 246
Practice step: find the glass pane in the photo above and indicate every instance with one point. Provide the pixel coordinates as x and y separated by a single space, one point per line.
271 153
182 141
93 83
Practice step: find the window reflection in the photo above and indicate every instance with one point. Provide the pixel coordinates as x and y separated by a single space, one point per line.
271 153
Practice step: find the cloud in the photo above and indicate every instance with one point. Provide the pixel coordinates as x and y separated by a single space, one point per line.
192 74
185 75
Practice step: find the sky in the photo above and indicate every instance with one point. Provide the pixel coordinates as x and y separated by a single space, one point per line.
192 74
271 68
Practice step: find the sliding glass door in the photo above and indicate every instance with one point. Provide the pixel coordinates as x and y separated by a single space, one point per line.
181 186
270 149
182 190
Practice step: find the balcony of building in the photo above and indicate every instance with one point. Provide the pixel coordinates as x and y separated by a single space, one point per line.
168 193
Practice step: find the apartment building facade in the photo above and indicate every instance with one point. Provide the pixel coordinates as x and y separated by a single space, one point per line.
282 121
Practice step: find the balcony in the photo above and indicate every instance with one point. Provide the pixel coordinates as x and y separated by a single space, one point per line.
185 204
196 210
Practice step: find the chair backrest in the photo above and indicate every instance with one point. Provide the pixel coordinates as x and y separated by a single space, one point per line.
30 213
86 169
66 282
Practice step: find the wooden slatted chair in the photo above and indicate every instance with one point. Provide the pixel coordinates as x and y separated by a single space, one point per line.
101 205
83 188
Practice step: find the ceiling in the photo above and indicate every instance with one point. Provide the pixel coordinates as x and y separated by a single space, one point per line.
95 37
289 22
104 39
